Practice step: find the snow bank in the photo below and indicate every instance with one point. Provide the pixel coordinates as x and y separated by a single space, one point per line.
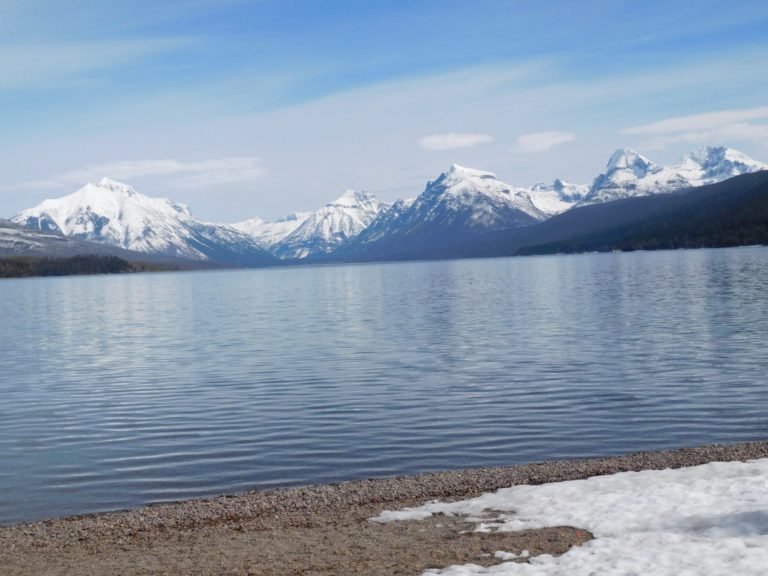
705 521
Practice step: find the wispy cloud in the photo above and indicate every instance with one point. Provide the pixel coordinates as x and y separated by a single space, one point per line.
536 142
693 122
742 125
186 175
453 140
37 65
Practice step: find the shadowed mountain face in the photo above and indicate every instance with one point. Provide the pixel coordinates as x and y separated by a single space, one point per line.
730 213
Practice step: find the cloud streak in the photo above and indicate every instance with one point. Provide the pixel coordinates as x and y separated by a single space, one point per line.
742 125
185 175
709 120
537 142
453 141
38 65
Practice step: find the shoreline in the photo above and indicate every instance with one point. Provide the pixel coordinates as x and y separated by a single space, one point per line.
321 529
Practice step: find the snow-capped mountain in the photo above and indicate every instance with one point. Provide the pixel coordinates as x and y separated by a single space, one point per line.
470 199
708 166
332 226
557 197
626 174
474 199
113 213
629 174
460 203
270 232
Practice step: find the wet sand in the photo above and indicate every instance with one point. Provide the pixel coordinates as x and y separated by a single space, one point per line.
317 529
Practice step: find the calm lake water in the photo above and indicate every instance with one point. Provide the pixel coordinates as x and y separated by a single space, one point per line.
121 390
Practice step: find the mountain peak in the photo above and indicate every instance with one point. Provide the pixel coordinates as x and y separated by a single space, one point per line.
458 171
712 157
107 181
627 158
334 224
352 198
115 186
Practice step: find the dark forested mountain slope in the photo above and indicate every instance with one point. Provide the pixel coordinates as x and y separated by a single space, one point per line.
730 213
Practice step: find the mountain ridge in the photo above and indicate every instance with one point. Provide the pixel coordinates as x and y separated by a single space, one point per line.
332 226
460 202
630 174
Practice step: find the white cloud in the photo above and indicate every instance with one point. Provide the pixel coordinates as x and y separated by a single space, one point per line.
190 175
536 142
739 125
453 140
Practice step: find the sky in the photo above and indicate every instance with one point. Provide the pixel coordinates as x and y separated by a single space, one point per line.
266 107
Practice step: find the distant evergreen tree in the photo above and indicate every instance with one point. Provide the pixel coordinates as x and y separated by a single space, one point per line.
88 264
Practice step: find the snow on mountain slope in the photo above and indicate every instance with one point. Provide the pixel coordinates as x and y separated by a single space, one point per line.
708 166
626 174
332 226
631 174
113 213
473 199
460 203
16 240
270 232
557 197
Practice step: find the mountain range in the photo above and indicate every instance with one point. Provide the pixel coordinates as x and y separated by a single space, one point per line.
458 212
629 174
318 233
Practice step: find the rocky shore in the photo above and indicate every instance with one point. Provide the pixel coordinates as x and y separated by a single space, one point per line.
317 529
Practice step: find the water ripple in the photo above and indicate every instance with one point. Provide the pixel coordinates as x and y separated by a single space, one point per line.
119 391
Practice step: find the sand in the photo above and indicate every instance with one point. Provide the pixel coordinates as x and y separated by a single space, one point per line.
318 529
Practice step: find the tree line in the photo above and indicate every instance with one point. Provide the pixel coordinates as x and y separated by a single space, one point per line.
25 266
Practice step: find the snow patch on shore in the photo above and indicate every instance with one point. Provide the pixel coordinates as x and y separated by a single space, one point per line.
707 520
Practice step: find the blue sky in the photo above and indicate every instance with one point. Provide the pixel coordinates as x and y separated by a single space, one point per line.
245 108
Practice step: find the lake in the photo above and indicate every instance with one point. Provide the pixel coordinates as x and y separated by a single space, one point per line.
117 391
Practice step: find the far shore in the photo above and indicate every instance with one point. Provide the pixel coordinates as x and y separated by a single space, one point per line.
316 530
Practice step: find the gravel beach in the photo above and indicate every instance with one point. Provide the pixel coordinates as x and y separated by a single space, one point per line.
317 529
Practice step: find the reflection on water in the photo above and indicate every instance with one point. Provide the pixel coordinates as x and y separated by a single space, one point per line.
118 391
